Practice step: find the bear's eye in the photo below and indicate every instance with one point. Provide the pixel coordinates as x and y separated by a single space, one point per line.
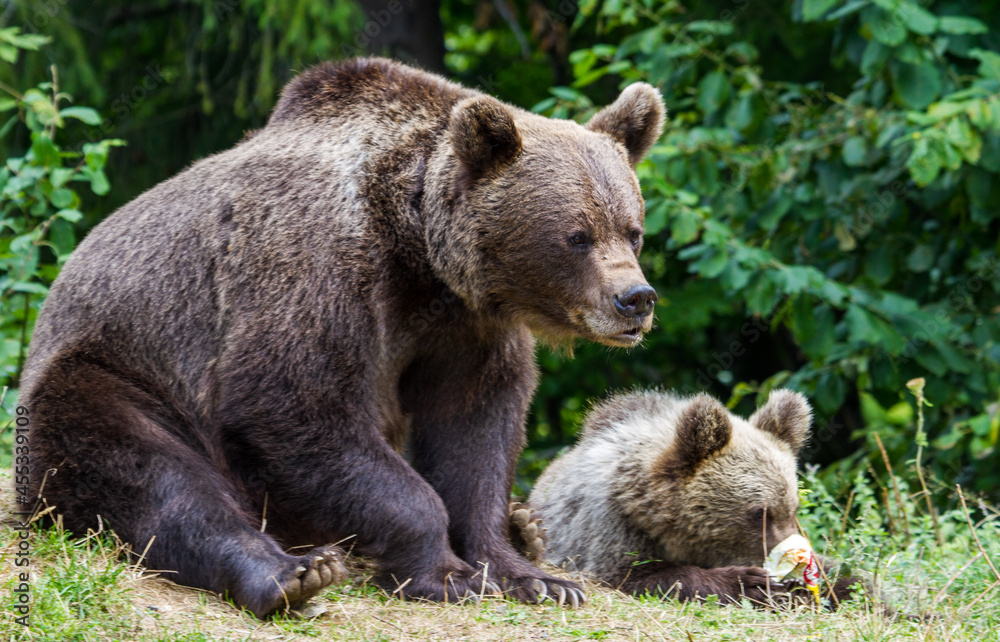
634 237
579 239
758 514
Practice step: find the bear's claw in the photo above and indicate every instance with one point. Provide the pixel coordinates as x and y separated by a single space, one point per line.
541 590
576 597
536 591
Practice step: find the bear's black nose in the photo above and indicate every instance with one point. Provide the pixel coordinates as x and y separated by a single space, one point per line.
637 302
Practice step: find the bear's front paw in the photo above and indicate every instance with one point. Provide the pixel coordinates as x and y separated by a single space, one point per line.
304 578
526 583
454 582
732 583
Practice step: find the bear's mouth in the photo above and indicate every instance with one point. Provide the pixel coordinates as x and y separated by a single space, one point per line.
630 336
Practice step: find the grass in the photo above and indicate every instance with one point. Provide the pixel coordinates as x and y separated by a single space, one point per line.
922 560
83 590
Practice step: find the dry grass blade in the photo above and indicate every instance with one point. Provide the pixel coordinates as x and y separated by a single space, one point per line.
972 528
895 488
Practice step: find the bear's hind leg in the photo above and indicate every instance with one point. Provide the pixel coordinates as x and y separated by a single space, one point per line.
109 455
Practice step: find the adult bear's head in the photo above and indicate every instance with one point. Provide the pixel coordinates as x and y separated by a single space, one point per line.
541 220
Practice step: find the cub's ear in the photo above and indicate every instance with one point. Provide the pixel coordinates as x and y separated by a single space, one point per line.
483 134
635 120
787 416
703 429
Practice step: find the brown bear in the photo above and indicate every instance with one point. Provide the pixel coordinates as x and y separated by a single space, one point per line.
677 496
230 366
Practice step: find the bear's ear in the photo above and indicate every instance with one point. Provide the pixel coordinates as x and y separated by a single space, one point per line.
787 416
703 429
483 134
635 120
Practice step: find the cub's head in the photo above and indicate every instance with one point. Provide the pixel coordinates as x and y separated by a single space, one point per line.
546 217
727 487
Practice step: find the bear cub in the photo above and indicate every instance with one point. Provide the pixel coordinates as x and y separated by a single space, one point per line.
676 495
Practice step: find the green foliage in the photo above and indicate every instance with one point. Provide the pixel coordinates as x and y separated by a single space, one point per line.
859 228
39 202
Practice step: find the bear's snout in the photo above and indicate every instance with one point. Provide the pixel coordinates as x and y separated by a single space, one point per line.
637 302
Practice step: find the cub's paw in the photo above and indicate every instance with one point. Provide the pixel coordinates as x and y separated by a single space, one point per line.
305 577
732 583
526 532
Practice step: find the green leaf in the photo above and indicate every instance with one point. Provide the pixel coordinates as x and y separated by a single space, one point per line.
685 226
544 105
741 115
920 259
733 278
62 197
761 295
99 182
95 155
9 125
851 7
60 175
713 91
879 266
871 411
656 218
959 133
816 9
711 264
796 278
888 31
925 162
855 151
900 414
917 19
715 27
30 288
961 25
989 63
865 327
704 173
8 52
45 152
775 209
949 439
7 104
41 106
86 114
874 59
566 93
955 360
818 344
71 215
591 77
62 236
917 86
30 41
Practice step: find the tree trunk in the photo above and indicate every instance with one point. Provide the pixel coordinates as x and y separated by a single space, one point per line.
408 30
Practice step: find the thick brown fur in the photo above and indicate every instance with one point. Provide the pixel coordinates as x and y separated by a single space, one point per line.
275 324
677 496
